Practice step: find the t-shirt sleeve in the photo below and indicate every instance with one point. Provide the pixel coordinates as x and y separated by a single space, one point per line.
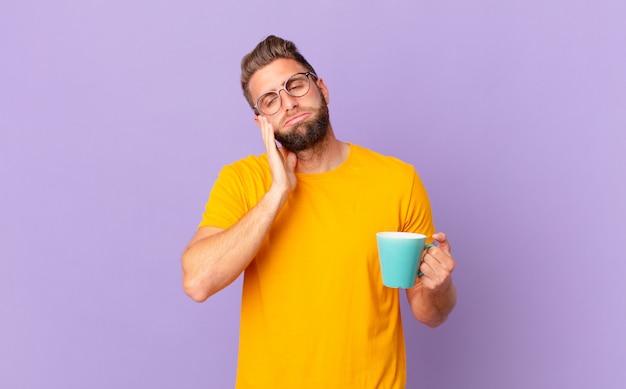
227 203
418 212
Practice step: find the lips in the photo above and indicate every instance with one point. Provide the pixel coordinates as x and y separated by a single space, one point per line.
296 119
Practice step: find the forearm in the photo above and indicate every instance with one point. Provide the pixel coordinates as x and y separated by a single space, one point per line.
213 262
432 307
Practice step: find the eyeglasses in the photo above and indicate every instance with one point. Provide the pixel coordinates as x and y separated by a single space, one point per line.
296 86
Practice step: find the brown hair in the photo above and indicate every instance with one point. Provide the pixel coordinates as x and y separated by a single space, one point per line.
266 52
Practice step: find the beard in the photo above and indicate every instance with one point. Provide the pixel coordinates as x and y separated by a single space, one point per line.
308 133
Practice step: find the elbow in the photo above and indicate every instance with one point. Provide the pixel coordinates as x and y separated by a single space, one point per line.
200 283
194 284
433 322
194 292
197 290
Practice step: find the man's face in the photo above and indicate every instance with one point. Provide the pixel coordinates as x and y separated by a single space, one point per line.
301 122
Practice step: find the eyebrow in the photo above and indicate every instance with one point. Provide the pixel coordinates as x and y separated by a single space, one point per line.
282 84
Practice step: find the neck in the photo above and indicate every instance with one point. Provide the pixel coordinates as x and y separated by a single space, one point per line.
325 156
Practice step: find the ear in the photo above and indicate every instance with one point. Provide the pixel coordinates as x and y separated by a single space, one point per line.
256 120
323 89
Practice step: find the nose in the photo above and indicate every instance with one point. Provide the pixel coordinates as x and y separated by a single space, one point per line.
289 102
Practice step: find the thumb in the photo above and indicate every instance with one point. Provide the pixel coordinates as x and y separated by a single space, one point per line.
290 160
442 241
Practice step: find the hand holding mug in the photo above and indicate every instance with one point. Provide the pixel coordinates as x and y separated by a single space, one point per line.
437 264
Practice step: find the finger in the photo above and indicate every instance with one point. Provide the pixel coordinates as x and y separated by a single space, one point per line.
290 160
442 242
431 259
439 261
284 152
267 131
262 122
425 268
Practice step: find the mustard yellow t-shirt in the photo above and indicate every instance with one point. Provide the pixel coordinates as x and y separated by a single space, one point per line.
314 311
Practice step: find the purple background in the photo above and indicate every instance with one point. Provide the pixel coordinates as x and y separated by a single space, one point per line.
116 116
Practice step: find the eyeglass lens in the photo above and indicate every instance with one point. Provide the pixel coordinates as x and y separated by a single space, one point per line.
296 86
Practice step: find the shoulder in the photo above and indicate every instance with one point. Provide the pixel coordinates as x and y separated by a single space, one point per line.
251 163
380 162
252 167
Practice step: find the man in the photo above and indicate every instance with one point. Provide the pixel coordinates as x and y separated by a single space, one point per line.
301 221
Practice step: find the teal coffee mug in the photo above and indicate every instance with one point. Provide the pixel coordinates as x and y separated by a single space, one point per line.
399 254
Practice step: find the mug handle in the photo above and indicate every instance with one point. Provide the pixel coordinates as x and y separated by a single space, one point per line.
426 247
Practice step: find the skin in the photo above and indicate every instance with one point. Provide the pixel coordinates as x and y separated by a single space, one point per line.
434 296
215 257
